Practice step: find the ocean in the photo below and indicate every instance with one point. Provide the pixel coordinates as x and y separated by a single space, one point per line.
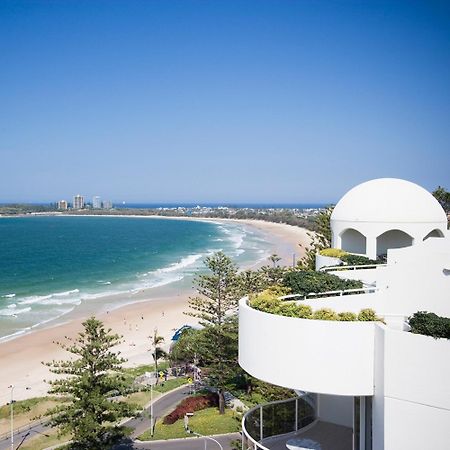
50 266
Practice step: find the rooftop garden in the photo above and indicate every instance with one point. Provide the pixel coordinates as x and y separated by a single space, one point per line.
269 301
430 324
348 258
304 282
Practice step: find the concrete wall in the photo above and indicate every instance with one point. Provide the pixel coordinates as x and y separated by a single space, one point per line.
308 355
411 407
336 409
326 261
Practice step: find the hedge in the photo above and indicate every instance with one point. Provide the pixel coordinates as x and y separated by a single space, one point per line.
357 260
333 252
303 282
430 324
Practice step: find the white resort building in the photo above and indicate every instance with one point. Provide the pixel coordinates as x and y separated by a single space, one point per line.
361 385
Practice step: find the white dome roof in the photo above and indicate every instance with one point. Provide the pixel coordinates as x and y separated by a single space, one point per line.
389 200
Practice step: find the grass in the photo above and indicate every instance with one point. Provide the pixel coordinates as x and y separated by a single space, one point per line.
40 442
26 411
140 370
170 384
142 398
206 422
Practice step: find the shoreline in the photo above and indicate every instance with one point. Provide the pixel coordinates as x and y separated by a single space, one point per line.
21 356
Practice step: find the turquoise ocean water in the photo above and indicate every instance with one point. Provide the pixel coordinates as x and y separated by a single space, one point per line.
49 266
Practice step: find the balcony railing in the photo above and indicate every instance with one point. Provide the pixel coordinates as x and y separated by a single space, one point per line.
344 267
310 295
275 419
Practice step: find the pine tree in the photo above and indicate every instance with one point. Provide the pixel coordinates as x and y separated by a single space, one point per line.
219 291
319 240
89 382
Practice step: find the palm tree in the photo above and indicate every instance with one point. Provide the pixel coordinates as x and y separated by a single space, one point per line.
158 352
274 258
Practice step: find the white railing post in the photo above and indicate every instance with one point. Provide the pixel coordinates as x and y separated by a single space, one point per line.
261 428
296 414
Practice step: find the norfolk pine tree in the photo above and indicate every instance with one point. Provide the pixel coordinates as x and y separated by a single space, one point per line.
90 380
219 291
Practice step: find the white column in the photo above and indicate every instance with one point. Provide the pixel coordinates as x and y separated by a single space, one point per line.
371 247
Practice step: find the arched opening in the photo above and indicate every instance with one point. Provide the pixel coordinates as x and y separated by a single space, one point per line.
353 241
434 233
392 239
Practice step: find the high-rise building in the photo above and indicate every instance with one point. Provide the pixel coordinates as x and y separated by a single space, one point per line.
78 202
62 204
107 204
96 202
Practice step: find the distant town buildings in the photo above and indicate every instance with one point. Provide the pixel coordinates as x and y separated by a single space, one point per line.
62 204
96 202
78 202
107 204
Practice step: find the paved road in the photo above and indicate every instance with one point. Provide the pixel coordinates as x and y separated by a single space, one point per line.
5 443
184 444
161 407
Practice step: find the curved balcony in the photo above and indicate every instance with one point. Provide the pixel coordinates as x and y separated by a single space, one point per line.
277 418
319 356
273 425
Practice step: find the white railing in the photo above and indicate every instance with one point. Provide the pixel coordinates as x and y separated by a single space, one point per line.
294 414
297 297
344 267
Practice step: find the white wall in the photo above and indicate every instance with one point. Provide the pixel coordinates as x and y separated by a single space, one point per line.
336 409
411 407
326 261
308 355
367 276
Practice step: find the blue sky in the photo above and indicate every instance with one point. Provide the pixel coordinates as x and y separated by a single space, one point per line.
228 101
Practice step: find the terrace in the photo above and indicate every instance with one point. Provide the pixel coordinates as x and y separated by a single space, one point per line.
276 425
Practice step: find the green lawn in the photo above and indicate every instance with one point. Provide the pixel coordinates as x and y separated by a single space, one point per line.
40 442
142 398
26 411
168 385
206 422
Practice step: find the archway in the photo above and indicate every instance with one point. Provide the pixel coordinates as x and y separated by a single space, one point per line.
434 233
392 239
353 241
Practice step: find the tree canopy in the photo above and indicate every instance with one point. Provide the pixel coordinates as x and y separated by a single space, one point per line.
89 381
218 290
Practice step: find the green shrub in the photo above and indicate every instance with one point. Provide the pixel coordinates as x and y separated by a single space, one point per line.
304 282
357 260
368 315
304 311
333 252
269 303
430 324
347 317
325 314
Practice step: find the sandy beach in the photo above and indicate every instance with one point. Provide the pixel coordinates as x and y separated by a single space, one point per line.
21 358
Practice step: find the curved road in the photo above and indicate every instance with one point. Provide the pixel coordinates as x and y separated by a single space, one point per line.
161 406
